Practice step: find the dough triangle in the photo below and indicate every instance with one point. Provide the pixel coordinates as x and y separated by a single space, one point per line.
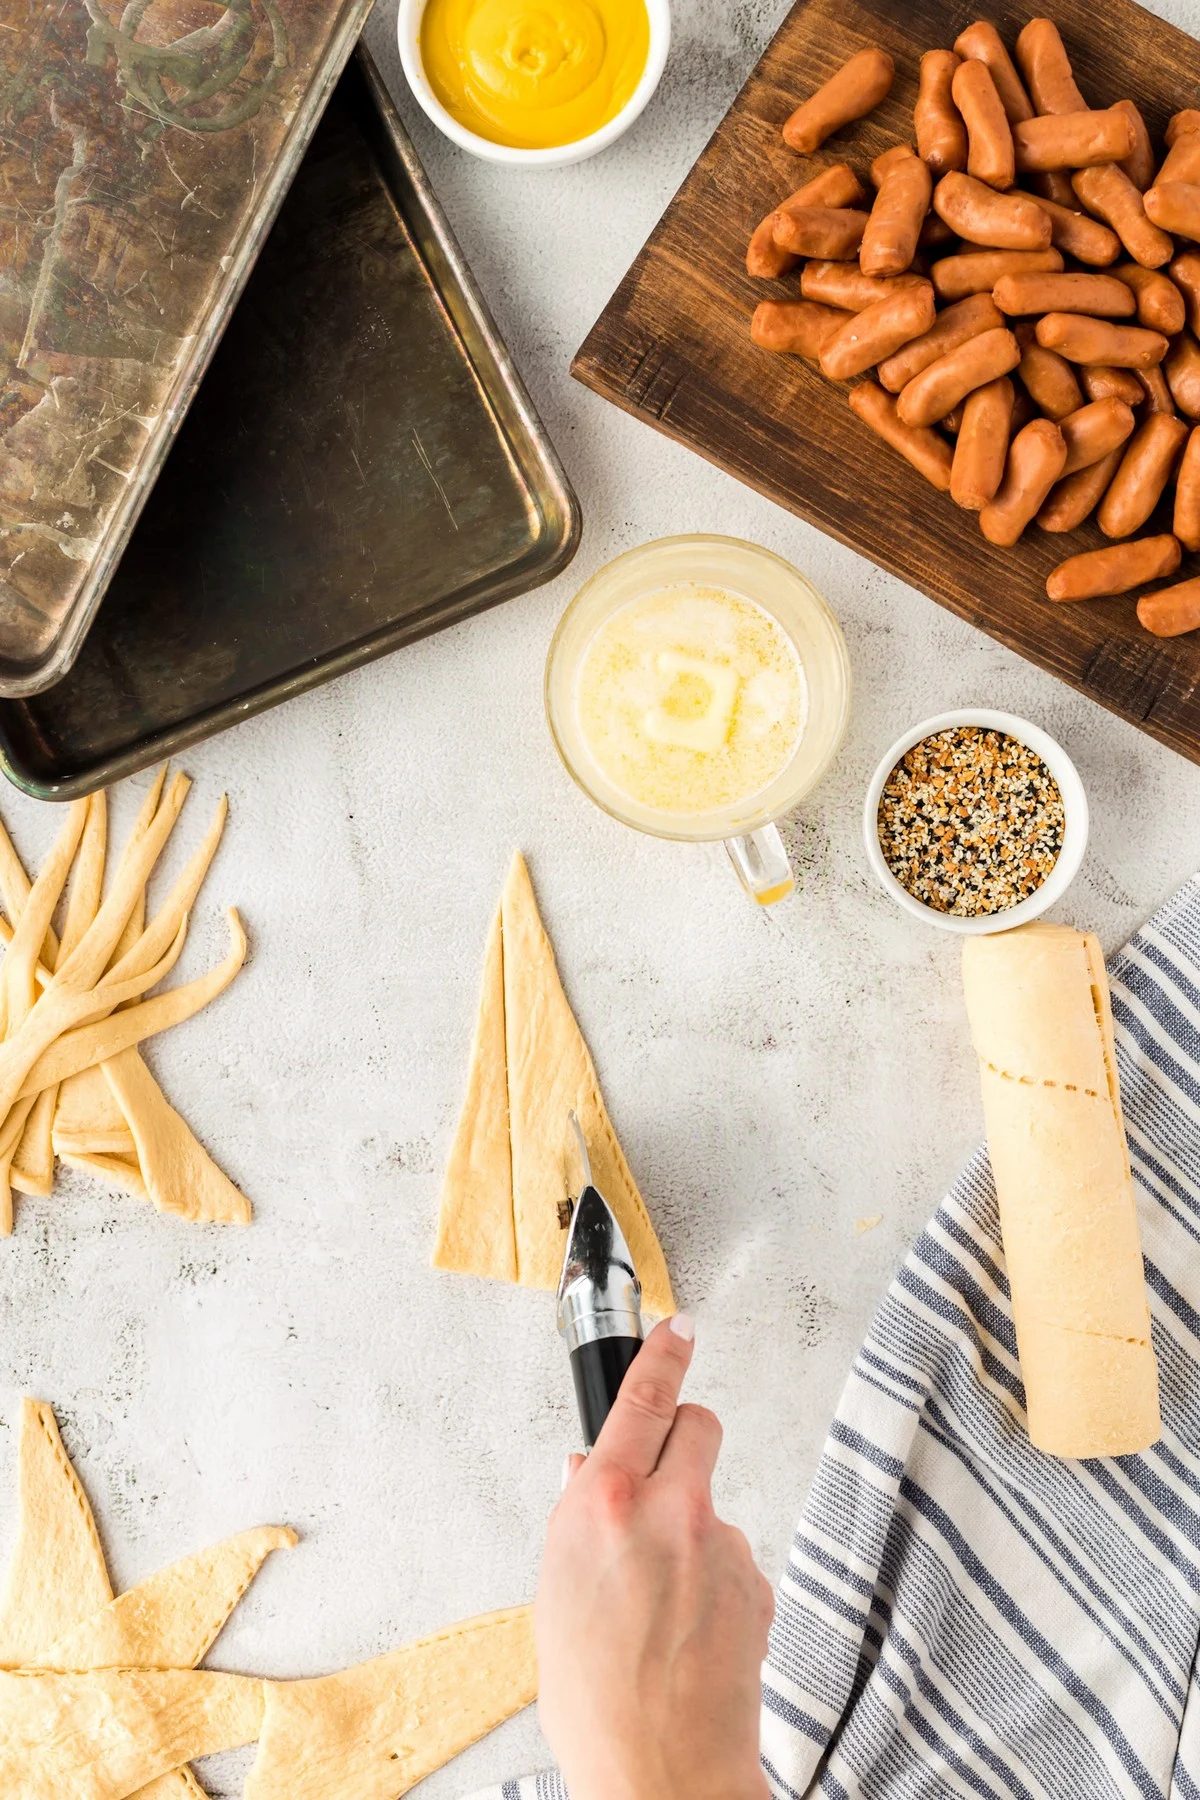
58 1586
550 1072
170 1620
372 1732
105 1735
57 1576
475 1227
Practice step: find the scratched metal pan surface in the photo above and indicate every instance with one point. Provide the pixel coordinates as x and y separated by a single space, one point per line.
361 466
145 146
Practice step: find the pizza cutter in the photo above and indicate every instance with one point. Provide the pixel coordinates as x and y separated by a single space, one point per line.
599 1295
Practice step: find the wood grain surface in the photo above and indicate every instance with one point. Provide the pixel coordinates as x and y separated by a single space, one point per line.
673 347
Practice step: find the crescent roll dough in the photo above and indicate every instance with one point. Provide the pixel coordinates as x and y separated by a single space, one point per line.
1041 1020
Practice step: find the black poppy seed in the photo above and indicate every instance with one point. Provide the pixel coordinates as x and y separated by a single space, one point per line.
971 821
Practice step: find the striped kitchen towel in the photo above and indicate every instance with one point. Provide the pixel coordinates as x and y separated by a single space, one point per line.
960 1614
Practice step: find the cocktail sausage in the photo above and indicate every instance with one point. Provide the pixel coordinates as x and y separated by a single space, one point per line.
930 395
984 216
981 449
1145 470
869 336
858 86
937 122
1035 460
927 451
1114 570
1084 340
837 185
990 155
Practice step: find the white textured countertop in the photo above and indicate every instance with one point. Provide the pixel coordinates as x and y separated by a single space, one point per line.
773 1077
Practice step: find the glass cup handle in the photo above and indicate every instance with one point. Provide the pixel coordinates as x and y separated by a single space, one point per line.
761 865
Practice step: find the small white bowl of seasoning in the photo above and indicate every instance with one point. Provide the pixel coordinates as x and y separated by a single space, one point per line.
556 61
975 821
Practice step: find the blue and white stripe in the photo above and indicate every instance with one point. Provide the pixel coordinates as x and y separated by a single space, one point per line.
961 1615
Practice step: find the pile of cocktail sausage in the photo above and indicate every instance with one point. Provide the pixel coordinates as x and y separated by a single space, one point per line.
1026 236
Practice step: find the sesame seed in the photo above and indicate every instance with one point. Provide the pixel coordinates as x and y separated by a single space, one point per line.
971 821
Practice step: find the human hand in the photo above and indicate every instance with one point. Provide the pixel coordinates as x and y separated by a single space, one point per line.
651 1617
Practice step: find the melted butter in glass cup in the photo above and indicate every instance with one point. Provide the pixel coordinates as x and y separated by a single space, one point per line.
698 688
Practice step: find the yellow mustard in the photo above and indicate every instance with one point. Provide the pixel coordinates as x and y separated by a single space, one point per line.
534 74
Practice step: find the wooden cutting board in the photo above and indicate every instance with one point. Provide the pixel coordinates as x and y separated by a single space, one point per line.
673 346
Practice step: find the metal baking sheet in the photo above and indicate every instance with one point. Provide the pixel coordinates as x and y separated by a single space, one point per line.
361 466
145 146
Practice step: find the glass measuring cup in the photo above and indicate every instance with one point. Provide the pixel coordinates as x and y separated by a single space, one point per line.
742 570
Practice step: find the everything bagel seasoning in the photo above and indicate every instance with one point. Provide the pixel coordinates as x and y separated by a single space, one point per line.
971 821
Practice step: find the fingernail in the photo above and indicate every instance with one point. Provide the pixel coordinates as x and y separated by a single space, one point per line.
566 1472
684 1326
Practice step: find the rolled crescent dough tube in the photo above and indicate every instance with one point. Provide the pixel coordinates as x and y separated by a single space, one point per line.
1084 340
843 284
981 448
1043 61
1074 498
1041 1021
889 242
1072 140
1093 432
977 212
1101 295
940 133
1159 303
795 327
1114 570
990 155
1171 611
869 336
930 395
1100 382
953 326
926 450
825 231
1035 462
837 185
1108 193
1175 206
978 271
859 85
1139 165
1146 467
1078 233
1186 523
981 42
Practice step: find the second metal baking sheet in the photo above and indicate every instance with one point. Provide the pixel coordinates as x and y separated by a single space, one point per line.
361 466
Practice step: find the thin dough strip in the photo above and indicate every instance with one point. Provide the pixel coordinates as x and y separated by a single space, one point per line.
59 1011
18 980
119 1172
80 1049
176 1172
86 964
33 1163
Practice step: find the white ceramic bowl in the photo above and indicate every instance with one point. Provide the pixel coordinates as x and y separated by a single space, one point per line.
1075 808
408 28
